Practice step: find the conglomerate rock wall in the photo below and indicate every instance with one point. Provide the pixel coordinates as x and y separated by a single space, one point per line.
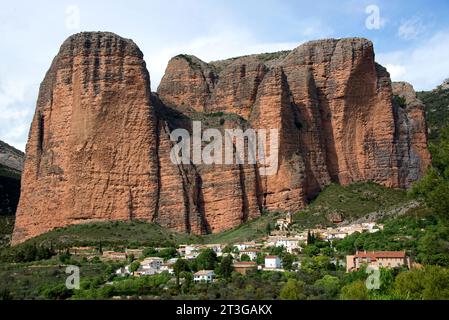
99 145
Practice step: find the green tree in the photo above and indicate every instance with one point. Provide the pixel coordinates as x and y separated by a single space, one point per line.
434 187
57 292
292 290
228 249
287 261
260 258
168 253
330 285
148 252
311 250
245 257
65 257
431 283
134 266
180 266
356 290
206 260
226 269
268 228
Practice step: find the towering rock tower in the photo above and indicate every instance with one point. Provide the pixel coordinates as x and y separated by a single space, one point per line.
91 153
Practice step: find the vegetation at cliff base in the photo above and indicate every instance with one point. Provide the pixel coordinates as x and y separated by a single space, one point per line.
351 202
437 110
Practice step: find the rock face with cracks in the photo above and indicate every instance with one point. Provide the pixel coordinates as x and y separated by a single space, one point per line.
99 145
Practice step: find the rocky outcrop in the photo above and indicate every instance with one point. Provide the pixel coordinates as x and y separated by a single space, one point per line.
92 152
99 146
411 133
11 158
11 165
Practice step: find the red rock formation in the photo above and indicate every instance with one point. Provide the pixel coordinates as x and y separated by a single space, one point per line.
91 153
99 146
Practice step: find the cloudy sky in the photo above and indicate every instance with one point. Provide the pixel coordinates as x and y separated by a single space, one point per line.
411 39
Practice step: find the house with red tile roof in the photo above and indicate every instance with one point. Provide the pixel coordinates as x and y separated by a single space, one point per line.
377 260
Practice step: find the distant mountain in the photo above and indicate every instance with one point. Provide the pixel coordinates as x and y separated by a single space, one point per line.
11 165
437 109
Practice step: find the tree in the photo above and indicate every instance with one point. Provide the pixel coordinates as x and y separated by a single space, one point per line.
268 228
58 292
134 266
206 260
188 280
311 250
245 257
260 258
287 261
65 257
228 249
434 187
311 238
432 247
330 285
225 269
355 291
180 266
168 253
292 290
431 283
148 252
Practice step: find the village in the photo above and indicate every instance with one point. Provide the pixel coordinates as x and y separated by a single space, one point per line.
250 255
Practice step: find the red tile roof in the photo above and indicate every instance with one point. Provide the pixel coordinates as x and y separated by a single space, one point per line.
244 263
250 250
380 254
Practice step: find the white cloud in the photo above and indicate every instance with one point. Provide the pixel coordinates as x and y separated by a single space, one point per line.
411 29
424 65
397 72
15 111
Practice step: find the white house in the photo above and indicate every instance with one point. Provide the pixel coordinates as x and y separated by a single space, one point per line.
123 271
152 263
171 261
290 244
146 272
190 249
272 262
245 245
167 267
204 276
217 248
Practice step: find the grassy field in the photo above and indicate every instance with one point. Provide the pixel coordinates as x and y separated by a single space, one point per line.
353 201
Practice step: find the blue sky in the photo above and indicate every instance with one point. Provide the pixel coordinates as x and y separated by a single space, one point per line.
411 38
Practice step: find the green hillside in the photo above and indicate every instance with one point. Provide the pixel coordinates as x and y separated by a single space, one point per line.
114 233
437 110
351 202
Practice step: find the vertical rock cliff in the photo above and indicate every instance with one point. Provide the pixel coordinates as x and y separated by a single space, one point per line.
91 153
99 145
